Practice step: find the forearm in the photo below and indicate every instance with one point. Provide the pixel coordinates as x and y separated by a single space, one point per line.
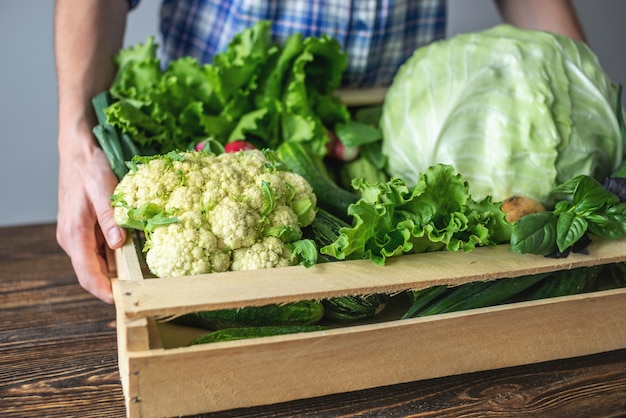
557 16
88 33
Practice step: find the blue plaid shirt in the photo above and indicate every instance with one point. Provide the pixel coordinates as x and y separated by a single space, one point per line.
377 35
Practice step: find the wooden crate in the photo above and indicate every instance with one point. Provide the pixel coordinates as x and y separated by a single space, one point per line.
161 378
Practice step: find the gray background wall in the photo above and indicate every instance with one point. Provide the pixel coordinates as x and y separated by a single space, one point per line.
28 125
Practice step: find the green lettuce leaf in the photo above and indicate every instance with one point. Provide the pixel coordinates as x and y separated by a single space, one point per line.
255 90
438 213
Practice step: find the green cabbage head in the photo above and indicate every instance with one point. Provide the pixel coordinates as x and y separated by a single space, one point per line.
515 111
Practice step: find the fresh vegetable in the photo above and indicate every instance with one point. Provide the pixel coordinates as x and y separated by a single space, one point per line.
390 219
231 334
610 276
517 206
306 312
422 298
439 299
515 112
442 299
563 283
117 147
456 295
299 159
354 308
437 213
324 230
255 90
584 206
338 150
496 292
360 168
204 213
617 186
238 146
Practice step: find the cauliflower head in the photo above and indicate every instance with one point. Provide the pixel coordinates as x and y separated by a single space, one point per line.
205 213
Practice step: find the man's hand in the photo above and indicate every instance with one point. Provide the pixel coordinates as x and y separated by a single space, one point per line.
88 34
85 218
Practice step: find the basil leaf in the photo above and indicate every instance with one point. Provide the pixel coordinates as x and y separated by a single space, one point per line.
590 196
568 187
535 233
611 224
569 229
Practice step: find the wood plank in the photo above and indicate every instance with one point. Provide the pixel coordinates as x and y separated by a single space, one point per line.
57 342
591 386
58 358
268 370
354 97
163 297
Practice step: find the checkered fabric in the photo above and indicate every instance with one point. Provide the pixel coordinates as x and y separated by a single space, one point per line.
377 35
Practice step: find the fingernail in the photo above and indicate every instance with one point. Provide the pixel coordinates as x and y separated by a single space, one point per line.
114 236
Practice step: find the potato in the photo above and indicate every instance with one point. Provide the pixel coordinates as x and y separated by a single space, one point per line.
517 206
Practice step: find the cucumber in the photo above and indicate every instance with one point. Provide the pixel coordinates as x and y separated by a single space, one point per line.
610 276
230 334
354 308
422 298
297 313
324 231
330 196
499 291
563 283
457 294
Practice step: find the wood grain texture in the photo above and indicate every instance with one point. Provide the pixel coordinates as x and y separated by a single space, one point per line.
58 358
58 355
141 298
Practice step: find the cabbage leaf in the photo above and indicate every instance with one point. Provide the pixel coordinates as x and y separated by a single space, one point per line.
515 112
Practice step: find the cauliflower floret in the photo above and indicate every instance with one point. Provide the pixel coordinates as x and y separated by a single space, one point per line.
185 198
150 185
304 200
283 192
235 223
252 162
177 250
284 216
270 252
224 181
199 209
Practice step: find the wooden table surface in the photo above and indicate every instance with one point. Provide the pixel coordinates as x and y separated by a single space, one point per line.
58 358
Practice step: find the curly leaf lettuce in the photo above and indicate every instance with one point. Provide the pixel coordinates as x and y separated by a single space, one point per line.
255 90
437 213
516 112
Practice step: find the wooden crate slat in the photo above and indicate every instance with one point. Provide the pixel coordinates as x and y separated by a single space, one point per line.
163 297
262 371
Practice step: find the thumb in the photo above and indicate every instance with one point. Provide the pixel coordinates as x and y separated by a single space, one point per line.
114 235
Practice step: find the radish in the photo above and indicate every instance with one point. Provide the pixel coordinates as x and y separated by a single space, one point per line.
336 149
239 145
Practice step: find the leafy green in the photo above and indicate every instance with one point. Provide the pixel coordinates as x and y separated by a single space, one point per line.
305 251
515 111
146 217
254 90
585 206
437 213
